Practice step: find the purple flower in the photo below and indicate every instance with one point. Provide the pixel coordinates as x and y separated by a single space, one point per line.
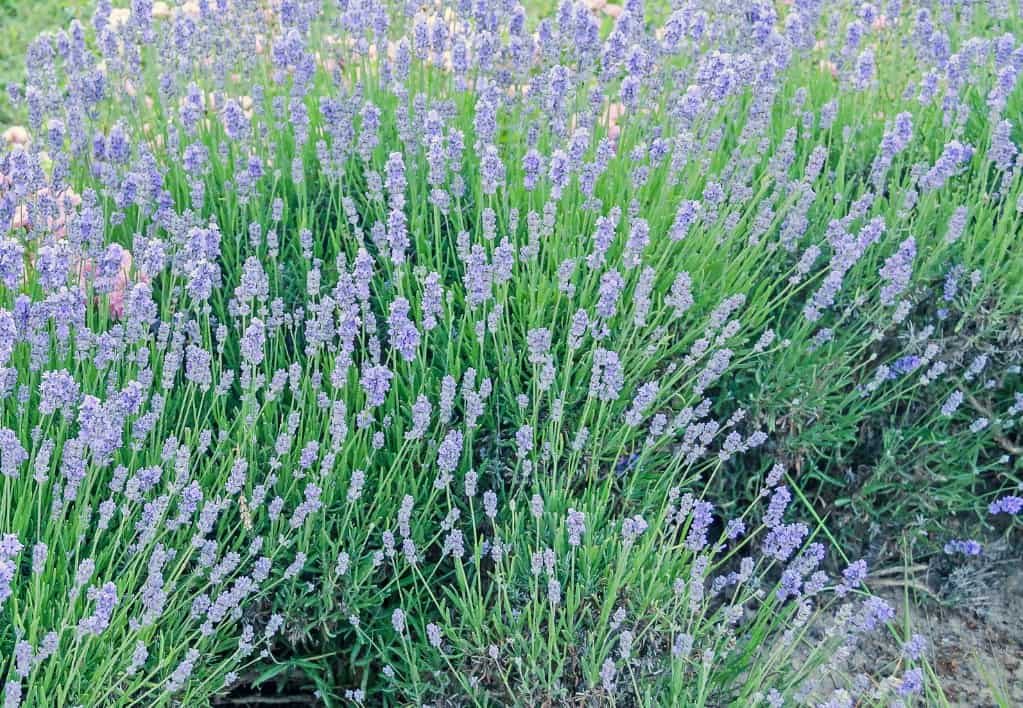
914 647
105 599
852 577
197 367
952 403
1002 151
254 285
454 544
639 239
558 173
524 441
645 397
966 547
607 377
848 250
1006 505
7 569
912 682
12 693
138 658
897 270
478 277
40 552
404 335
12 454
680 298
954 155
58 390
433 295
607 675
536 506
394 171
310 505
532 164
554 591
421 410
735 528
956 224
433 635
12 263
603 237
10 546
355 486
376 382
875 611
865 68
782 541
450 451
611 285
575 523
702 517
179 677
397 236
776 509
789 585
236 123
504 262
253 341
23 658
492 170
538 342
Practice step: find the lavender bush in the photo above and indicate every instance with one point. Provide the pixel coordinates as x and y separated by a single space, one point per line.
463 354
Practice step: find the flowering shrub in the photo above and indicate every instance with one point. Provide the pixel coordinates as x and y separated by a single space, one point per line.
451 354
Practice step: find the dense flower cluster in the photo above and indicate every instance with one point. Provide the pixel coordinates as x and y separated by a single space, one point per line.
426 334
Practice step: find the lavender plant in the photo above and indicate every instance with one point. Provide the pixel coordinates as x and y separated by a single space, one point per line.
461 354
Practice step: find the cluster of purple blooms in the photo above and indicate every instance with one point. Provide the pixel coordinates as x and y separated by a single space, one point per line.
967 547
433 311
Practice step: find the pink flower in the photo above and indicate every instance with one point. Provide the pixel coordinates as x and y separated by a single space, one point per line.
115 286
615 111
16 135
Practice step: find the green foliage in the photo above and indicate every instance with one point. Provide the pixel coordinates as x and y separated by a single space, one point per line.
565 549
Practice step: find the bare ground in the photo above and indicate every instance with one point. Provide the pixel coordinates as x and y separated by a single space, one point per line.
971 611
